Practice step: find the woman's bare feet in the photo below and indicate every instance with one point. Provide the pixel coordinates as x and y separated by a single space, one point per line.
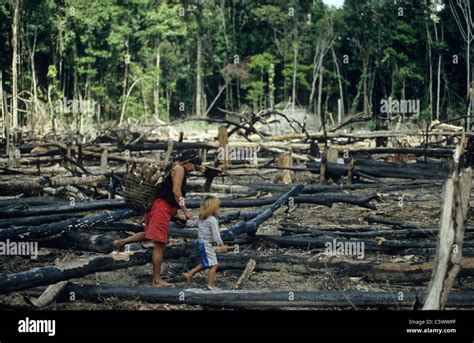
161 283
188 278
118 245
213 288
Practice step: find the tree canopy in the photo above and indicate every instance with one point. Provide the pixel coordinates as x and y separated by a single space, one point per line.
161 59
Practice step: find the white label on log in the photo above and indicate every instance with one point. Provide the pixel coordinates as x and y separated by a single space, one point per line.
400 201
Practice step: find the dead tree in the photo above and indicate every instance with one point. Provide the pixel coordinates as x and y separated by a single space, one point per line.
451 235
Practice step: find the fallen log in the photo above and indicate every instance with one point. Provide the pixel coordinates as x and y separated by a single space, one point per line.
381 169
397 272
318 188
381 245
84 180
36 185
256 299
116 157
29 186
164 146
32 201
369 234
36 220
392 222
66 207
433 152
33 160
53 274
370 228
47 230
326 199
314 188
83 241
251 226
365 135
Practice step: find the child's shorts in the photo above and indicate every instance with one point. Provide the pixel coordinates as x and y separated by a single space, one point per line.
207 254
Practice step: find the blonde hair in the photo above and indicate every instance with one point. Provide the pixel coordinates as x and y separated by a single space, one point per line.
209 207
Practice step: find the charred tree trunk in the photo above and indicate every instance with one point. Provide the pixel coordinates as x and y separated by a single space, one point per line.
47 230
252 225
257 299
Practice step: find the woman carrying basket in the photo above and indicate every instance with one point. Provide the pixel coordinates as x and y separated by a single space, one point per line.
169 200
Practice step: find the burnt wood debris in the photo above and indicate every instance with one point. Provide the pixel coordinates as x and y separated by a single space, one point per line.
67 197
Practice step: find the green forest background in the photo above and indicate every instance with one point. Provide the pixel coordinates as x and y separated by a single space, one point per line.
172 59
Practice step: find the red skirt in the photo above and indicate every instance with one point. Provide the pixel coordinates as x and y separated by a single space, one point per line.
157 220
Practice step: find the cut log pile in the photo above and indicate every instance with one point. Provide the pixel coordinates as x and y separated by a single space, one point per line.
68 195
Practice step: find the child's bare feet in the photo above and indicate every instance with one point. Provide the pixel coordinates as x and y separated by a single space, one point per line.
213 288
161 283
188 278
118 245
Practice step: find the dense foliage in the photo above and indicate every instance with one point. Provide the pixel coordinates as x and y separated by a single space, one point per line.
169 59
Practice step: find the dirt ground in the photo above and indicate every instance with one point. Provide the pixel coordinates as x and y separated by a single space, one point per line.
419 206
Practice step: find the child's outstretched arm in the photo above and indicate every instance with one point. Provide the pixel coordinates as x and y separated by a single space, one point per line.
192 223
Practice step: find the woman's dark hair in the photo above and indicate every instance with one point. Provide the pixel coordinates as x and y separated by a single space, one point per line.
190 156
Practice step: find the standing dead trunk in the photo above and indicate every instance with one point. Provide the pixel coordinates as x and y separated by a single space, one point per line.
295 68
4 124
339 80
125 78
271 85
320 93
438 84
199 110
32 50
365 85
430 87
448 258
156 90
16 9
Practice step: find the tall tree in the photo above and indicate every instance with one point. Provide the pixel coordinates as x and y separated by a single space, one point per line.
15 62
465 23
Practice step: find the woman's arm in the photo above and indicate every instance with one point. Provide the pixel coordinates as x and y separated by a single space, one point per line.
177 175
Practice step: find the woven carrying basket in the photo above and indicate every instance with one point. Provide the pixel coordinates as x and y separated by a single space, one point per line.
139 194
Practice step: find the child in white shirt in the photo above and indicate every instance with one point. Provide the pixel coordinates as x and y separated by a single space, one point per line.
208 237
